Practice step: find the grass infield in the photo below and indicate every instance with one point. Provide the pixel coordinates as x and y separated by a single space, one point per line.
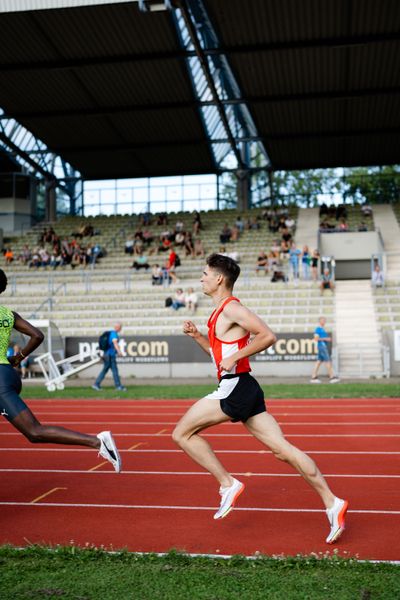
290 390
72 573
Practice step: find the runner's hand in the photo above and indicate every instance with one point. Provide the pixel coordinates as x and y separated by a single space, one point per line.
190 329
15 360
227 364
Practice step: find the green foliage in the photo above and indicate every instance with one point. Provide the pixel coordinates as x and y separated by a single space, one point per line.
73 573
365 389
372 184
311 187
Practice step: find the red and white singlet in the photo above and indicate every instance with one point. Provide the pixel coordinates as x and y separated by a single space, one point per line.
220 349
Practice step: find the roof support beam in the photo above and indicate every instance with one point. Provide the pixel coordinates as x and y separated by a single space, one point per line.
260 99
26 157
77 63
200 142
210 81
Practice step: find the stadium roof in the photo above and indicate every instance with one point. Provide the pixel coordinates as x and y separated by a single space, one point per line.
108 88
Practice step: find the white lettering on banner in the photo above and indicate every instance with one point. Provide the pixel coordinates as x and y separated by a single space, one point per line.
396 340
87 349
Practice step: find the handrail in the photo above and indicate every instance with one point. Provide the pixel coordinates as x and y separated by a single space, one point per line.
49 300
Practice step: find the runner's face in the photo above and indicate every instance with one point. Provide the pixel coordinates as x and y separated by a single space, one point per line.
209 281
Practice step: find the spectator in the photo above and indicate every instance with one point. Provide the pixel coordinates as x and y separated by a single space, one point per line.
156 275
162 219
262 262
9 256
278 270
172 258
378 279
199 248
326 281
239 224
363 226
141 262
25 255
286 235
179 300
233 255
129 244
169 274
275 246
289 222
55 259
189 249
164 245
191 300
321 337
110 359
294 259
76 258
179 226
225 235
35 260
138 243
148 237
253 224
305 263
235 232
366 210
180 239
343 226
44 257
197 224
314 265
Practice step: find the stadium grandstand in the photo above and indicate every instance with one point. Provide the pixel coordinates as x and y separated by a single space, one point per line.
107 90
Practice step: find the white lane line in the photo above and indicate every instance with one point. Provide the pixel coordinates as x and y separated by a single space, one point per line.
168 451
200 473
248 435
281 414
167 507
286 423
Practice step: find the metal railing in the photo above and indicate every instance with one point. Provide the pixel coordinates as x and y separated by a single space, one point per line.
49 300
360 360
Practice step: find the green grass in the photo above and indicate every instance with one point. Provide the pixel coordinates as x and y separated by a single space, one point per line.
90 574
341 390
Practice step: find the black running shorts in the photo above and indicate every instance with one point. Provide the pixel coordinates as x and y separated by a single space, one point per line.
240 397
10 387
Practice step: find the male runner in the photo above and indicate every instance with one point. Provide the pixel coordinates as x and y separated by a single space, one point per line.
14 409
239 397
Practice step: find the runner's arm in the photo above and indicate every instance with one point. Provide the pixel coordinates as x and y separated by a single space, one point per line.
191 330
35 335
263 338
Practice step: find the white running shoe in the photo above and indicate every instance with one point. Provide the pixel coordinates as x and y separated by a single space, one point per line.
229 495
334 380
336 516
315 380
108 449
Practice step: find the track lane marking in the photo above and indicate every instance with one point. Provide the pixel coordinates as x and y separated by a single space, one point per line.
47 494
209 508
200 473
137 445
167 450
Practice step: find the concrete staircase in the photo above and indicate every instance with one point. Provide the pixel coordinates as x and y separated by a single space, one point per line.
358 340
385 220
307 228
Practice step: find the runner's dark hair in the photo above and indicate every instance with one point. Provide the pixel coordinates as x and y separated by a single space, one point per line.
3 281
226 266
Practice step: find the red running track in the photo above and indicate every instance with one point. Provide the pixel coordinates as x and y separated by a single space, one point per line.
162 500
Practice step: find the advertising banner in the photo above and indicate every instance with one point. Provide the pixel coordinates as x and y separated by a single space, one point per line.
182 349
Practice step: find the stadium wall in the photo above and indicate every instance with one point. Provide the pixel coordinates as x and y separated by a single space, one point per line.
352 252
